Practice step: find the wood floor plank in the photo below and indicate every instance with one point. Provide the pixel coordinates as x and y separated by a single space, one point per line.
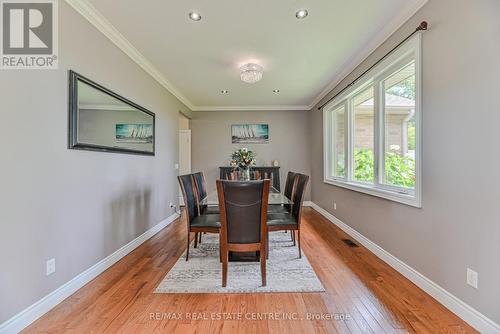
362 292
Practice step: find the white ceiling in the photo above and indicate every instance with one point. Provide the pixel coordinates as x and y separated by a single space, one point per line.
196 60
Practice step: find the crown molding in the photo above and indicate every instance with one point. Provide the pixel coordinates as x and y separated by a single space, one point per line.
249 108
91 14
381 37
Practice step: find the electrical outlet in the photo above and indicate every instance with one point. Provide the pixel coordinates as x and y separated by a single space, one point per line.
51 267
176 166
472 278
172 205
334 205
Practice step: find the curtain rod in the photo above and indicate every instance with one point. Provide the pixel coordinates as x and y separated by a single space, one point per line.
421 27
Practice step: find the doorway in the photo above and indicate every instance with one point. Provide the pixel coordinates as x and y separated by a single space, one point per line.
184 150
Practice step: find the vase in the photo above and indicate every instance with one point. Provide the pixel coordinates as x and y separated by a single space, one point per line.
245 173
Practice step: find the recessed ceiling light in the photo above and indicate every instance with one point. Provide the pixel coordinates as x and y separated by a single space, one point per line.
194 16
276 90
224 91
301 14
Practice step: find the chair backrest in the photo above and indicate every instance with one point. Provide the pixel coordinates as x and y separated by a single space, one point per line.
243 210
201 187
189 193
300 186
290 180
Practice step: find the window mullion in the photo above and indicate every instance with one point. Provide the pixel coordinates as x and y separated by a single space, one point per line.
330 160
378 132
350 143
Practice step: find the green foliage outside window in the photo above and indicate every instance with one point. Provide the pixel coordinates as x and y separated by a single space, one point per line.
400 170
363 162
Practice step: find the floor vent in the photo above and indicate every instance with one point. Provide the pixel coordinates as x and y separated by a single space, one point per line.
349 243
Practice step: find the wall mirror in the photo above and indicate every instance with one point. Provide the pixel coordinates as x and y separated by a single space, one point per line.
101 120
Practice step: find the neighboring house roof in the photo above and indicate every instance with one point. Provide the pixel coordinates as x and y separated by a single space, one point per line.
392 101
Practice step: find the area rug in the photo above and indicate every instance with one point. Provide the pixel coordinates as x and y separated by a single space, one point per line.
203 272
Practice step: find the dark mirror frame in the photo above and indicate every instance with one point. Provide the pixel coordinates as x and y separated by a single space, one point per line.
73 143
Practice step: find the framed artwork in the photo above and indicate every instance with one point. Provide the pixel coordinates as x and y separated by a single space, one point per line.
250 133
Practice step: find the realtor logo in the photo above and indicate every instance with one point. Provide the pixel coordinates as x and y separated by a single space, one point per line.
29 34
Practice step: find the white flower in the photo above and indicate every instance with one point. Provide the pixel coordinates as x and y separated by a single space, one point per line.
244 150
394 147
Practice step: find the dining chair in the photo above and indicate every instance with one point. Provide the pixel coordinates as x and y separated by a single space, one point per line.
201 190
195 222
285 208
243 213
291 221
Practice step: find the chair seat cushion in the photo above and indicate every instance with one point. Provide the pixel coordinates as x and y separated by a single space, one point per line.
276 209
206 221
211 210
281 219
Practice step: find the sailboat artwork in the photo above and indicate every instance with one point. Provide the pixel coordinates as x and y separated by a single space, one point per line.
134 133
250 133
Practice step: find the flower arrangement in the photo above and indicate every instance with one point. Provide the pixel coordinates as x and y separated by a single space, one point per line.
243 158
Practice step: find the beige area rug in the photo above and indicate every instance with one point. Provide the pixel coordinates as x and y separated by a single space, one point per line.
203 272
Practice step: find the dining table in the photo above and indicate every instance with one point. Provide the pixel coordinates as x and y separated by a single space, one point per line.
275 198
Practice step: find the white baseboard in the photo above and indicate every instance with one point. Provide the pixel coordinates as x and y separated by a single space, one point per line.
307 203
24 318
466 312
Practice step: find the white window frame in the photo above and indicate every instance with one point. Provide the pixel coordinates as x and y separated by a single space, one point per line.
328 121
375 77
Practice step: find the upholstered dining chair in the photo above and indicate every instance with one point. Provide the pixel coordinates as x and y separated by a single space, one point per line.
291 221
201 190
195 222
290 179
243 213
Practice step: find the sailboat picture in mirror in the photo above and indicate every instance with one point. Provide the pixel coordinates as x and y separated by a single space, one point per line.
134 133
250 133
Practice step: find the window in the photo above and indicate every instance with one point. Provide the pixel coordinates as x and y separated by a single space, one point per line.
372 130
399 132
339 124
363 136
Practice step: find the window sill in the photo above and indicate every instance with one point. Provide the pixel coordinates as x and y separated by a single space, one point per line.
407 199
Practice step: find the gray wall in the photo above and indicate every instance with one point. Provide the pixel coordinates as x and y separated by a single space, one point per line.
458 226
74 205
288 141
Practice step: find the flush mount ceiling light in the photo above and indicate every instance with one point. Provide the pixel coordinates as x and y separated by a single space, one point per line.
224 91
301 14
276 90
194 16
251 73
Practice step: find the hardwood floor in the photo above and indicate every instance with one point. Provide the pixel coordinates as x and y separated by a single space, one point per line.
372 297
